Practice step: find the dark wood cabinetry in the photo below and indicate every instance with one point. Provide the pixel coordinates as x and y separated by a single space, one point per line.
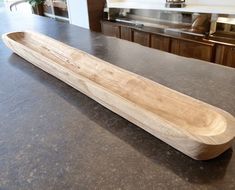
191 49
126 33
225 55
110 29
187 47
142 38
175 45
160 42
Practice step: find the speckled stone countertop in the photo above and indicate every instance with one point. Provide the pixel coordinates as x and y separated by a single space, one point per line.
54 137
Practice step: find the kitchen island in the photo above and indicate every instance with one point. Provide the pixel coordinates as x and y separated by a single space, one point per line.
54 137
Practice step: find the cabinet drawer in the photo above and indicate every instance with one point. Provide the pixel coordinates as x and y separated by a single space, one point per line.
160 42
126 33
225 55
110 29
192 49
141 38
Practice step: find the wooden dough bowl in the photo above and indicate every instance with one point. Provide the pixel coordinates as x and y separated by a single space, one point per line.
193 127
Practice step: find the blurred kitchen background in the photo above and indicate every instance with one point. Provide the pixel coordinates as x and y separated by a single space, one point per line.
200 29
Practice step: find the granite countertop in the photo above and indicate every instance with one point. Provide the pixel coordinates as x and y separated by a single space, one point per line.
54 137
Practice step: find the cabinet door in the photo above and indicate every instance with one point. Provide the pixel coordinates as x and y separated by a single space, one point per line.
175 46
126 33
191 49
141 38
160 42
110 29
225 55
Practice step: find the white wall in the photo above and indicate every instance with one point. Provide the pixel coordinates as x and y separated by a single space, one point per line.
78 13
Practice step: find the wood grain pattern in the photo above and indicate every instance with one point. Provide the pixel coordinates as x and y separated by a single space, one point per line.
225 55
142 38
195 128
160 42
110 29
192 49
126 33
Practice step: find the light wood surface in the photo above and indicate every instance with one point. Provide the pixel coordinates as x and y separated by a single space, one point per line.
195 128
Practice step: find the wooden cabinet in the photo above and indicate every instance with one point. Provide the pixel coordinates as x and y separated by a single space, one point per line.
192 49
225 55
126 33
160 42
175 45
142 38
110 29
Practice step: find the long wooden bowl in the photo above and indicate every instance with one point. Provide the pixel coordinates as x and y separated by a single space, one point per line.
195 128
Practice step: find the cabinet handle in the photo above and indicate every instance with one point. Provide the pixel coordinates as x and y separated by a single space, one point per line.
233 49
